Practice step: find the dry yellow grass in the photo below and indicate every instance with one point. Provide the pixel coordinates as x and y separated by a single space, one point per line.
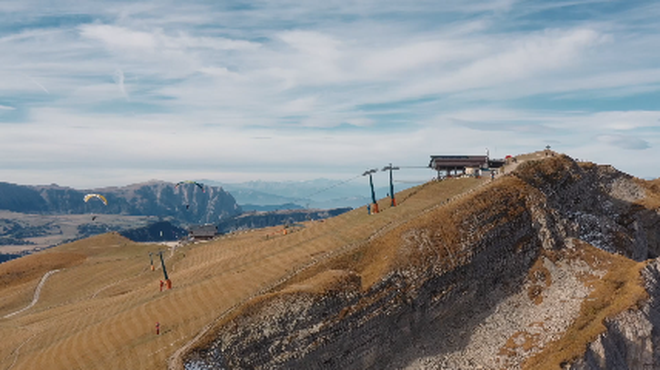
101 313
652 187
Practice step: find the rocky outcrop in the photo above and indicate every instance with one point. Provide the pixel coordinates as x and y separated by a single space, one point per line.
485 281
597 204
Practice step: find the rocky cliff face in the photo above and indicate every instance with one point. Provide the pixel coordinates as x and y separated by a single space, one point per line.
186 203
632 338
494 280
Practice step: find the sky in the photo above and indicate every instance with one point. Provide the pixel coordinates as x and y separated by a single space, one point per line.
109 93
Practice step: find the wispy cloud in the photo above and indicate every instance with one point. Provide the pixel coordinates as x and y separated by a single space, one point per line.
345 85
42 87
122 38
625 142
119 80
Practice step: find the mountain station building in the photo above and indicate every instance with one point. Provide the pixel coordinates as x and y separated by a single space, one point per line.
457 165
203 232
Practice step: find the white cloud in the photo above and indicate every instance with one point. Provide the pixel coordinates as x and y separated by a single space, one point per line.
522 58
219 72
125 38
218 43
6 107
313 43
406 57
300 105
42 87
364 122
624 142
119 80
119 37
615 121
207 80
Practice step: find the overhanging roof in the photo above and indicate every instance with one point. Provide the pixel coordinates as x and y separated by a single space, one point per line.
452 161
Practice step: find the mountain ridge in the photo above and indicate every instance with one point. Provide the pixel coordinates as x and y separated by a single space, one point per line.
463 273
186 203
509 241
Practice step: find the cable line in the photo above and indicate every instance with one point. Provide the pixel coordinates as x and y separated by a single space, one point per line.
305 197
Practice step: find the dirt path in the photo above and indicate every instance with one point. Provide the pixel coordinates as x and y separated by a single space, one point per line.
18 350
37 292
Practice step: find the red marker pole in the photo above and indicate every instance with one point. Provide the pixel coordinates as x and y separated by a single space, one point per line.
157 328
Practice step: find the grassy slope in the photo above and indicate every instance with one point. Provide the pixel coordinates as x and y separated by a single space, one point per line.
620 289
100 311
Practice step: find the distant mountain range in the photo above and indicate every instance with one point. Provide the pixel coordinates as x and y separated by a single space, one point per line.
186 203
318 193
61 208
255 220
149 211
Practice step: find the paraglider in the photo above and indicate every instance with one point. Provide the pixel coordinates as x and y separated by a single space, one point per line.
201 186
99 196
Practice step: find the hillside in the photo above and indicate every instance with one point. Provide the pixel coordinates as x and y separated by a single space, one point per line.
462 273
252 220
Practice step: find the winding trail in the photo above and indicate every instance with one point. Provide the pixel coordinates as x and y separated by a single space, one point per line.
18 350
37 293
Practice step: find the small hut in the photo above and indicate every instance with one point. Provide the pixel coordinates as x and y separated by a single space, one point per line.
203 232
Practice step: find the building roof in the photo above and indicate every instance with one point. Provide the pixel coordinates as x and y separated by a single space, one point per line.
203 231
451 161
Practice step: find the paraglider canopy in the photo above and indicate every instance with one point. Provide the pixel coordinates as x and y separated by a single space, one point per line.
99 196
201 186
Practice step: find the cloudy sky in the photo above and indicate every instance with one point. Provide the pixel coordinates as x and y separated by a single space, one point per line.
101 93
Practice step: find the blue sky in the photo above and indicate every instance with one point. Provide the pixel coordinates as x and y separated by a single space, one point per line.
103 93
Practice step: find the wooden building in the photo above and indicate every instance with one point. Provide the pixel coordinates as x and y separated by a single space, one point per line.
203 232
456 165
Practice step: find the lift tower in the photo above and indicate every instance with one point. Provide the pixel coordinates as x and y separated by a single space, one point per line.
371 184
151 259
390 168
162 263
